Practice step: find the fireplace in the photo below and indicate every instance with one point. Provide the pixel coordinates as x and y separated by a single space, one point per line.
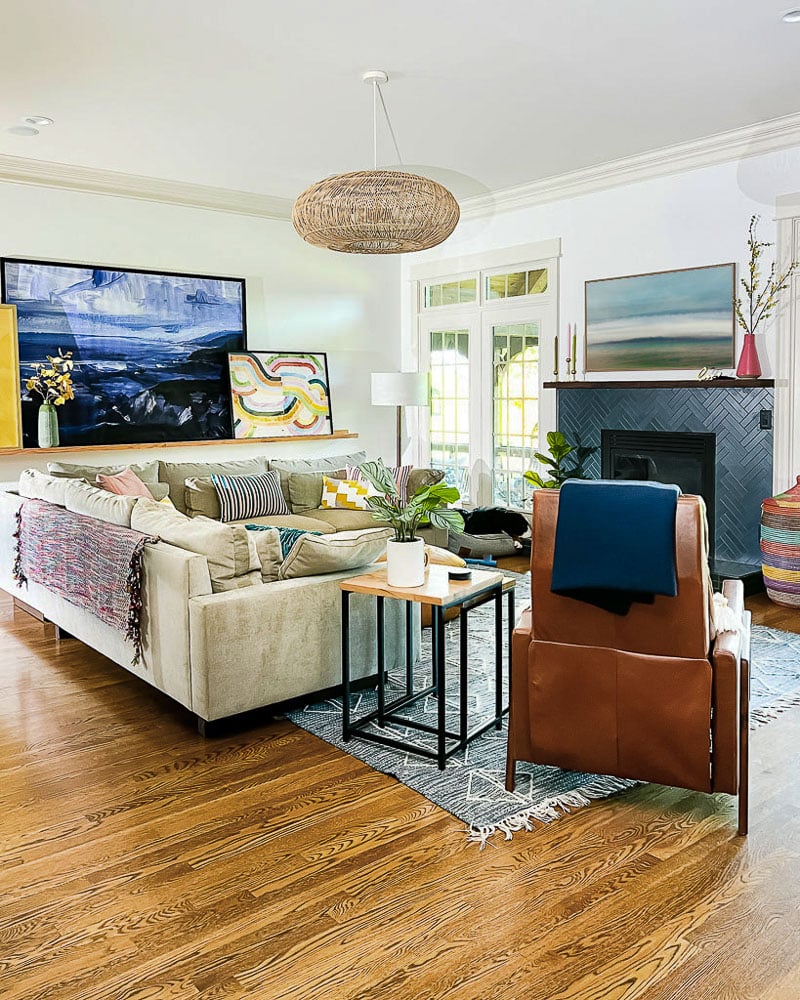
685 458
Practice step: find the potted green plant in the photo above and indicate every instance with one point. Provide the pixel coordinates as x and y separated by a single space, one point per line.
558 471
405 553
52 380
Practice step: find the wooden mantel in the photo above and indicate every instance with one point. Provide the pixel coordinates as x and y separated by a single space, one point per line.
337 435
712 383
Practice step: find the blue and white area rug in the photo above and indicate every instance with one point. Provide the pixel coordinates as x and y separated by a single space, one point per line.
472 786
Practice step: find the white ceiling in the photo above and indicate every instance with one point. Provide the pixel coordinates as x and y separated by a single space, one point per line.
262 96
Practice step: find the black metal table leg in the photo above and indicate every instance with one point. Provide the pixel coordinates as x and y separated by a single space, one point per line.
498 659
381 663
345 664
409 647
441 690
463 655
434 651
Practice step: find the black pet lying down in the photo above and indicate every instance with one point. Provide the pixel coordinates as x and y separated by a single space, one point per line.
493 520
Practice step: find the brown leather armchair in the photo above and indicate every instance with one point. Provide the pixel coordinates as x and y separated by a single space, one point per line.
647 695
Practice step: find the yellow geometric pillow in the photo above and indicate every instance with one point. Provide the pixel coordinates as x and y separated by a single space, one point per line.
345 494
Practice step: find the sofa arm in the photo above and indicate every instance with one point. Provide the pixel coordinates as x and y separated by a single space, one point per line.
274 641
726 662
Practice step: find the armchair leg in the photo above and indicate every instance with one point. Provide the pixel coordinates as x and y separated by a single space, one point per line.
510 778
744 748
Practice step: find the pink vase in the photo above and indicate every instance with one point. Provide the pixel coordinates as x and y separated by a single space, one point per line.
749 366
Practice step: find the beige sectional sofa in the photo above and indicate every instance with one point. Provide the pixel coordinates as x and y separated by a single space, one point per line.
229 624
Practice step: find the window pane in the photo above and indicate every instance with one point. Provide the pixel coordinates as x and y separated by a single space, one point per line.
515 409
496 286
450 406
537 281
516 283
468 290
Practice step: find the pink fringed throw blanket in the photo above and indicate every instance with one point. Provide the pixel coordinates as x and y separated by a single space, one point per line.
92 564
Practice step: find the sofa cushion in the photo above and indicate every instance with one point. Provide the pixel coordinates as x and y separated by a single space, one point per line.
125 484
346 494
241 497
305 489
146 471
232 556
82 498
313 554
268 543
176 474
37 486
302 521
329 465
344 520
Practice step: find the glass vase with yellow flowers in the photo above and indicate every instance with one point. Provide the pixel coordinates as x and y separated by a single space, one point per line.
52 380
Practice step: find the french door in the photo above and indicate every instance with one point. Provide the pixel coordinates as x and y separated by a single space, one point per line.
488 410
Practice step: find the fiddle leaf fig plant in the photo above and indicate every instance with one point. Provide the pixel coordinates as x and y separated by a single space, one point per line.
429 504
557 471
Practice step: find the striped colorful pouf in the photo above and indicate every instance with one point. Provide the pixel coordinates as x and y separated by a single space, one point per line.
780 546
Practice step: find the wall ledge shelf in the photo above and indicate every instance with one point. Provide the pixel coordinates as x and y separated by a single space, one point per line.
714 383
336 436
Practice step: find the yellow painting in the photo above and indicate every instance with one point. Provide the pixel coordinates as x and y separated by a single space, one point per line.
10 436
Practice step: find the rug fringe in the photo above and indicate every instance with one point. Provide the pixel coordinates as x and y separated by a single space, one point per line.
550 809
768 713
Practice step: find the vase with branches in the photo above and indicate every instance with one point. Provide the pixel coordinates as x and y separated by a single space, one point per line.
759 300
52 380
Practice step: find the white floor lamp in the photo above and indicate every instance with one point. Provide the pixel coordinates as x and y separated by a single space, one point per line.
399 389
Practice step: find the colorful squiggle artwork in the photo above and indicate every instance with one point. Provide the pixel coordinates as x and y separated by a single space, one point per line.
279 395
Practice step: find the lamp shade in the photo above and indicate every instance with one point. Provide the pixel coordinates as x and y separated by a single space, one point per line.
399 389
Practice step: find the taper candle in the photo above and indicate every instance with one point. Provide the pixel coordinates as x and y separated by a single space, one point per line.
574 348
555 357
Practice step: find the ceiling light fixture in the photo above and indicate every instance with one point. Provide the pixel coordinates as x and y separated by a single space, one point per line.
376 211
40 121
22 130
791 16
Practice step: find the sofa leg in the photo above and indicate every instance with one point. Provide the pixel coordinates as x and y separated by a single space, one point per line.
208 729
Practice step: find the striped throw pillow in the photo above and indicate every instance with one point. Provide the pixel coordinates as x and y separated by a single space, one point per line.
400 474
249 496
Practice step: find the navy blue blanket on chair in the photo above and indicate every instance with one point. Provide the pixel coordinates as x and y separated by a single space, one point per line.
615 542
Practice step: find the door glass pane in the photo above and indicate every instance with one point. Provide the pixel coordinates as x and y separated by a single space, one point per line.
515 381
450 406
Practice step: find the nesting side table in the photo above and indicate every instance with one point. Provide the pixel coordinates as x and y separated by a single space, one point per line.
439 593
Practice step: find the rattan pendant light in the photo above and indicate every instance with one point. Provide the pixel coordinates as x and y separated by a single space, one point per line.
376 211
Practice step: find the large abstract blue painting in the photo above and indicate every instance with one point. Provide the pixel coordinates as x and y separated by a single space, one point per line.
151 349
668 320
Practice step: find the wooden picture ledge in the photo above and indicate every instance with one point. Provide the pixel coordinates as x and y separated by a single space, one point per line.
336 436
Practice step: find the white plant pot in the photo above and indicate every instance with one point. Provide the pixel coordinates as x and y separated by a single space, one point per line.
405 563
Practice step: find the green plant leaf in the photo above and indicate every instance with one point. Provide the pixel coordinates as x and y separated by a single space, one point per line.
447 518
380 477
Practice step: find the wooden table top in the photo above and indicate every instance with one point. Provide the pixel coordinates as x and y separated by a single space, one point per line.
438 589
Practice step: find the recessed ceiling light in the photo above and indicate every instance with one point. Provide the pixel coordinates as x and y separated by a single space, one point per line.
38 120
22 130
791 16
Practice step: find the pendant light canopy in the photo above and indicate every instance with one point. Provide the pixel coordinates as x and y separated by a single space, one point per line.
376 211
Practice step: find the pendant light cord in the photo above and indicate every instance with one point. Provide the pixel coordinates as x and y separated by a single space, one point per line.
378 93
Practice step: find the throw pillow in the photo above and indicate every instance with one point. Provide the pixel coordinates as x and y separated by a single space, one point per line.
36 486
231 553
305 489
124 484
81 498
400 474
327 465
313 555
345 494
146 471
241 497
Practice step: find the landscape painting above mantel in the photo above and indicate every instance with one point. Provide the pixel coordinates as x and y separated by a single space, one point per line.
665 321
151 349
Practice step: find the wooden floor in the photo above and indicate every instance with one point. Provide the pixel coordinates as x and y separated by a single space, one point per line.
141 862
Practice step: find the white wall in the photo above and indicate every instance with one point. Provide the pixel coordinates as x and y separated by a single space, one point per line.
684 220
298 297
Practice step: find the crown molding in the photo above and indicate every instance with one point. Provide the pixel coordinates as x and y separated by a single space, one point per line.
90 180
752 140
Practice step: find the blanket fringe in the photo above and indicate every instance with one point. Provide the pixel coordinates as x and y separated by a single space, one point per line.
550 809
134 586
17 571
